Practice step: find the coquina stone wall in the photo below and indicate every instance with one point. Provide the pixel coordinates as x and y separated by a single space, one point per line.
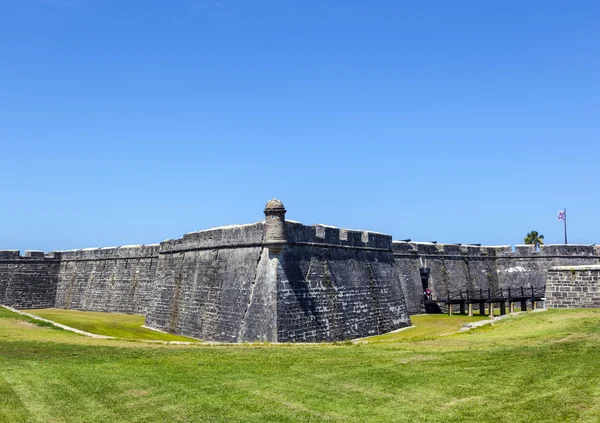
573 287
318 284
215 285
28 281
462 267
269 281
278 280
337 284
113 279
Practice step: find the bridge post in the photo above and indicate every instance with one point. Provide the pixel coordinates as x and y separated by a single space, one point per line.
511 307
502 308
543 297
470 307
482 308
491 309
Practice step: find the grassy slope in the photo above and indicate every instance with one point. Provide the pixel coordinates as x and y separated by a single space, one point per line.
427 326
112 324
541 367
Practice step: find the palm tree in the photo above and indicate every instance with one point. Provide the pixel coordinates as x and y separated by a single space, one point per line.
534 238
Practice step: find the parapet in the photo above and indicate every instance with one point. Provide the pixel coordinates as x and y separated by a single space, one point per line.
448 250
569 250
10 254
525 250
555 250
238 236
548 250
298 233
29 255
108 253
231 236
34 254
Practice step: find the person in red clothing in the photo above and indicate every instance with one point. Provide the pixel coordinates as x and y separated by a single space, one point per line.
428 293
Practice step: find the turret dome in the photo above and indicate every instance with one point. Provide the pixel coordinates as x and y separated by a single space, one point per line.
274 204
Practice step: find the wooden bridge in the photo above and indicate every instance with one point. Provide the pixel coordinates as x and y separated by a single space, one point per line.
483 297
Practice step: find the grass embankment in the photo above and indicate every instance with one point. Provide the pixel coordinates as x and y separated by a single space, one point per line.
426 327
127 326
540 367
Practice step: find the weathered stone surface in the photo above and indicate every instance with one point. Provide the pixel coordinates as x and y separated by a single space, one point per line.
281 281
462 267
206 283
114 279
573 287
29 281
337 284
236 284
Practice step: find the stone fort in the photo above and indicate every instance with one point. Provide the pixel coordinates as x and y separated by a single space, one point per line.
282 281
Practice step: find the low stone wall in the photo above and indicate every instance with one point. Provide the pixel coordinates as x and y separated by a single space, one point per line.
573 287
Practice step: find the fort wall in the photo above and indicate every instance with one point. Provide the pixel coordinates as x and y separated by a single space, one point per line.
234 284
277 280
573 287
337 284
214 285
113 279
28 281
461 267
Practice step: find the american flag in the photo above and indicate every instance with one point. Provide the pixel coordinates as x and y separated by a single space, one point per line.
561 215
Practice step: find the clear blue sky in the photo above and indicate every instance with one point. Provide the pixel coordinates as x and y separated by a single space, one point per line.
130 122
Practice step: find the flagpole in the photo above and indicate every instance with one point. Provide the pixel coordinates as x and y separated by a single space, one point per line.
565 219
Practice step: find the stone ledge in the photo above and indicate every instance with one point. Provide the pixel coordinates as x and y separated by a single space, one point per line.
580 268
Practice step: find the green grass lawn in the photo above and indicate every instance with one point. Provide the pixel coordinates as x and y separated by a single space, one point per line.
128 326
538 367
427 326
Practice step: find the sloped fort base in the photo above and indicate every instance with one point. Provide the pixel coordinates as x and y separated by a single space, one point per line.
337 284
216 285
